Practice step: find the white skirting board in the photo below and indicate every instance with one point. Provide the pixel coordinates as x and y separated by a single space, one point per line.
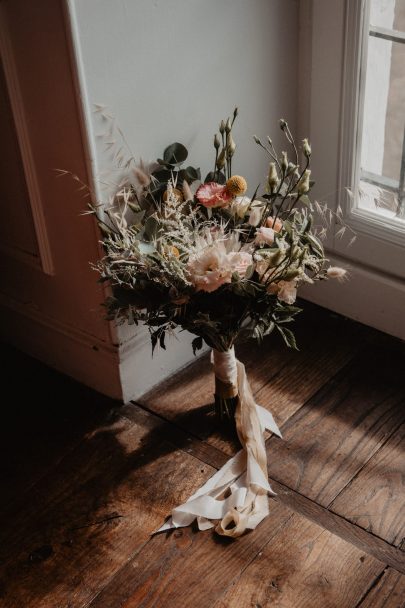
140 371
122 372
71 351
367 296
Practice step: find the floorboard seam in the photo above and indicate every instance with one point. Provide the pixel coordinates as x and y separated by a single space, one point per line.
374 583
365 463
374 553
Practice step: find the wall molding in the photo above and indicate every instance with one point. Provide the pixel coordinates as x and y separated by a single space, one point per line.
17 107
61 346
368 296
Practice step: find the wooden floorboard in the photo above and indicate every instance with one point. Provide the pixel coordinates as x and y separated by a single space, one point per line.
387 591
304 566
375 498
86 519
87 481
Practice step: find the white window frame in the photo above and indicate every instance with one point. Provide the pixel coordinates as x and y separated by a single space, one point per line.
330 70
353 89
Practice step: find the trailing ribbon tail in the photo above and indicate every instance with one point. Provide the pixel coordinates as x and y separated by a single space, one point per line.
237 495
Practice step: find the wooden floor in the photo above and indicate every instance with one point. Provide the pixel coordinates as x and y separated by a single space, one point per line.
84 483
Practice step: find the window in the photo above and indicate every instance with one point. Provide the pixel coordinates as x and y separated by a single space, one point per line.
382 151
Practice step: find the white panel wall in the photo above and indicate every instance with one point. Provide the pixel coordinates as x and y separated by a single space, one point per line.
169 70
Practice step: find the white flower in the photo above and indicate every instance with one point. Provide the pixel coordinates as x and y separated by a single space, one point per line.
213 266
240 206
335 272
255 214
264 236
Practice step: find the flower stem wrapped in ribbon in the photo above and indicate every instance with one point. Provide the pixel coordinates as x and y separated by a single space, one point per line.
207 258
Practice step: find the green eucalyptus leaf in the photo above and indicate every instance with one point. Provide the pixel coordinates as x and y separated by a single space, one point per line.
197 344
175 154
192 174
288 337
217 177
151 228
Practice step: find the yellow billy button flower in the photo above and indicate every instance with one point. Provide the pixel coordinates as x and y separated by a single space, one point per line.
175 193
236 185
170 250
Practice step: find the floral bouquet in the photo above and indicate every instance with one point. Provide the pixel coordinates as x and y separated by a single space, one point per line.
207 258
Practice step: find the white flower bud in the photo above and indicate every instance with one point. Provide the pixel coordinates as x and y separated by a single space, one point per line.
221 159
273 177
303 185
231 146
284 161
335 272
306 148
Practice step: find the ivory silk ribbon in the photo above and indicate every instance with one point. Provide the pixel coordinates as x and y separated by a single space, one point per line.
237 495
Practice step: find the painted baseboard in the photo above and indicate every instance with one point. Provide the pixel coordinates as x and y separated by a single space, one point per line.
139 371
368 296
125 371
67 349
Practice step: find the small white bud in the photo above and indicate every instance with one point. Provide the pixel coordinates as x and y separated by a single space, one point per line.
284 161
306 148
303 185
335 272
272 177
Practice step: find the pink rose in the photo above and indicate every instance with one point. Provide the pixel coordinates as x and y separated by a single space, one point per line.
213 195
276 225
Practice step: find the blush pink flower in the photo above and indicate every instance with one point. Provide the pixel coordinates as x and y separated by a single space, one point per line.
276 225
240 262
286 291
213 195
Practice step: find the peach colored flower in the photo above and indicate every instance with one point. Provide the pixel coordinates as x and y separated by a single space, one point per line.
213 195
264 236
276 225
286 291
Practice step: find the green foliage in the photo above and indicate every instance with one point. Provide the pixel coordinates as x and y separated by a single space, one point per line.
155 245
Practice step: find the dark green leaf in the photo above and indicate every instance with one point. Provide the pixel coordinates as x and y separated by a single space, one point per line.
175 154
197 344
288 337
219 178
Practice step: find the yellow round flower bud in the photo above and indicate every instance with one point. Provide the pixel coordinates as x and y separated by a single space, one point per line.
236 185
175 192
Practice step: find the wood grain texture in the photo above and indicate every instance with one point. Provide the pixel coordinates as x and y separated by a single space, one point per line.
187 568
387 591
303 566
281 379
99 506
47 416
327 442
375 498
363 540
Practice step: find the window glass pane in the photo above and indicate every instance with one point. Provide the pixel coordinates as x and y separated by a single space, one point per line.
382 151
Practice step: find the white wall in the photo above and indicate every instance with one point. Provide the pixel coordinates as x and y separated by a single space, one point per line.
169 70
